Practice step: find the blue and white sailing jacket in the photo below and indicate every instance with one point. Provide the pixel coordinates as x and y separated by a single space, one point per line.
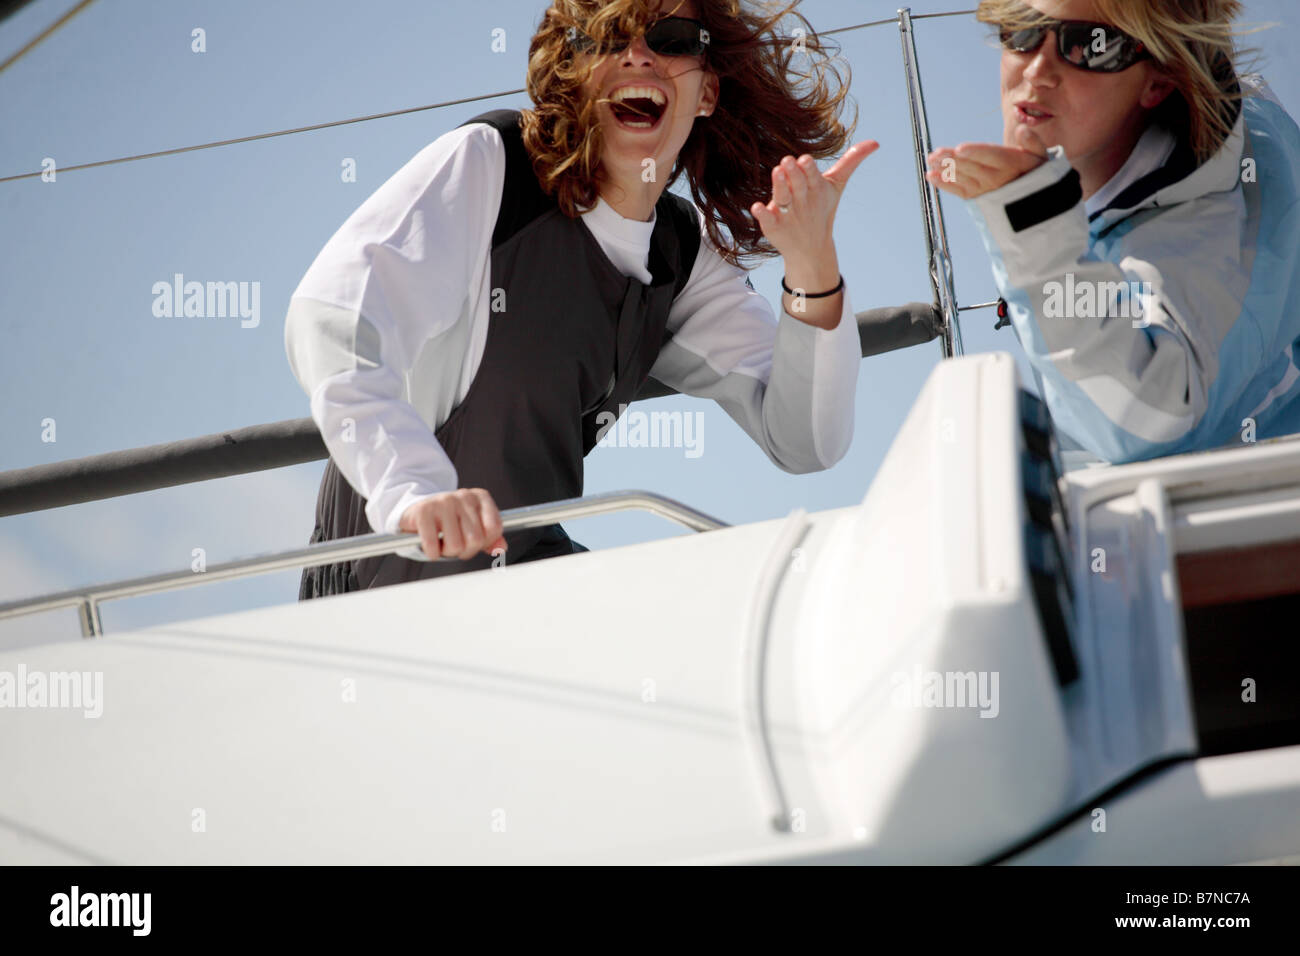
1167 320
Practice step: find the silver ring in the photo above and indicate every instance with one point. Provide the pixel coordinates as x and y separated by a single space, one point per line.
783 208
439 535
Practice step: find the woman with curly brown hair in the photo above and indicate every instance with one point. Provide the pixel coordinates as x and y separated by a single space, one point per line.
467 329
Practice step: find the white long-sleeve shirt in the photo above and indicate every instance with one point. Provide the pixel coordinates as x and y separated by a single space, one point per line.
386 331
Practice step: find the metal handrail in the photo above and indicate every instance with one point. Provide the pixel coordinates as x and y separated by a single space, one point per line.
936 234
88 599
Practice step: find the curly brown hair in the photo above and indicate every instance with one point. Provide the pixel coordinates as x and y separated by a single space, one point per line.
761 114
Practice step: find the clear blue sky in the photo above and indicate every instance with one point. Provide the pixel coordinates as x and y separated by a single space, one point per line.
79 257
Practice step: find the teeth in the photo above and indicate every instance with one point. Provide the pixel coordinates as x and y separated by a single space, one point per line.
642 92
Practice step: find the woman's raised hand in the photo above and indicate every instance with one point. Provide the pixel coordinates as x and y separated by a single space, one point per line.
973 169
799 219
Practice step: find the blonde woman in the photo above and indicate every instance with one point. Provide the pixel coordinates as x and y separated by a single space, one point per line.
466 331
1142 224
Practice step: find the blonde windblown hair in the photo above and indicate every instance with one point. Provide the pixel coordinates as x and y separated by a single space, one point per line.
1193 43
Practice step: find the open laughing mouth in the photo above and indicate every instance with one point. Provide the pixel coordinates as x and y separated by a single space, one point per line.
638 107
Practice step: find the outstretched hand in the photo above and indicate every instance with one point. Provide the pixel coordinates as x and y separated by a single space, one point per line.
799 219
973 169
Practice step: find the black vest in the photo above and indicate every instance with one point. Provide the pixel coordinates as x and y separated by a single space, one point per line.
569 337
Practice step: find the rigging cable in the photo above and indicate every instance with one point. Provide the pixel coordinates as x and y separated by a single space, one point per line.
373 116
45 33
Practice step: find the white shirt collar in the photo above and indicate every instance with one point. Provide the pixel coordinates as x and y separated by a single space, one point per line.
611 221
626 241
1151 152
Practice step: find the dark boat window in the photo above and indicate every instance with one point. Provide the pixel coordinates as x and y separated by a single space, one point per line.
1241 614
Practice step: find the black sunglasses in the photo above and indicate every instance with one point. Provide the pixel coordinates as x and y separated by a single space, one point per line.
668 36
1095 47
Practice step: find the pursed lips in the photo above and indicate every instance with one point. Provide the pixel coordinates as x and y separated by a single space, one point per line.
1032 113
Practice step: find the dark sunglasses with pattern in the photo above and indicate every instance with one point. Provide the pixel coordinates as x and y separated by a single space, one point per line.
667 36
1085 45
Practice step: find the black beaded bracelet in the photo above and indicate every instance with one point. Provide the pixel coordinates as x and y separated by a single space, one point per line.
813 295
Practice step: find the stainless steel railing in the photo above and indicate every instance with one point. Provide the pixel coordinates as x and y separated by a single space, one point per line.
88 599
